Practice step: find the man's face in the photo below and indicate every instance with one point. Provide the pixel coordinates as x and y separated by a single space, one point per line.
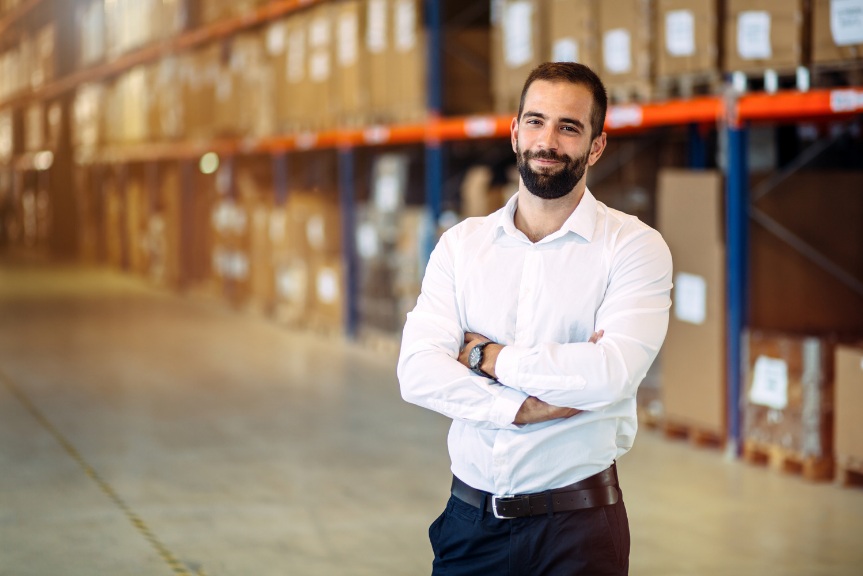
552 139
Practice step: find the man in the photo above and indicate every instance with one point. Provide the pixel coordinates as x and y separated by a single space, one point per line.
533 330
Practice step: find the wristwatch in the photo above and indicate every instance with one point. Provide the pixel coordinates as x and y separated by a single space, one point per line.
475 358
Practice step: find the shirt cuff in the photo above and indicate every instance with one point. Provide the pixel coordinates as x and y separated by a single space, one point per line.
506 366
506 405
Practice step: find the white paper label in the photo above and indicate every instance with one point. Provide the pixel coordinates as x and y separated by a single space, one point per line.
680 33
770 383
319 32
368 245
405 25
625 115
376 26
518 34
387 192
315 232
319 66
347 39
846 22
276 39
328 286
753 35
616 51
690 298
565 50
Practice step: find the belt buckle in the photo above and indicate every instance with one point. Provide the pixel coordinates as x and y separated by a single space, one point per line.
505 498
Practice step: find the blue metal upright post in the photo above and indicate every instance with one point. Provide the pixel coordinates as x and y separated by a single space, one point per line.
696 151
434 154
349 254
280 178
737 256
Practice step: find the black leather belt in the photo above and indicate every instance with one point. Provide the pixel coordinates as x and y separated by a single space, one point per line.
597 490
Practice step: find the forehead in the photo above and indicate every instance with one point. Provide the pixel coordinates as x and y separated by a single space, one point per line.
559 100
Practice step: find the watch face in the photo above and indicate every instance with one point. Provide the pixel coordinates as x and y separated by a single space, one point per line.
475 356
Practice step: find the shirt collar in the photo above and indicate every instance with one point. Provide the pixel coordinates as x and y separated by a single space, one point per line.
582 221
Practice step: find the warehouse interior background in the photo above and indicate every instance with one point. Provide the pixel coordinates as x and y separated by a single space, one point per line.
215 214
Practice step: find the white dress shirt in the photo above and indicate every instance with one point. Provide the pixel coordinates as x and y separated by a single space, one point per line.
602 270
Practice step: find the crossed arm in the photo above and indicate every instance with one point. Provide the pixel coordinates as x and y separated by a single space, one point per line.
533 410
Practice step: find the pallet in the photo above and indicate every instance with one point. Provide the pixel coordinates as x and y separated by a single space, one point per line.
630 93
849 471
812 468
696 435
837 74
688 85
771 81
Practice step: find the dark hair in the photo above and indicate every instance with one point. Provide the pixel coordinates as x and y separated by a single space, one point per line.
573 73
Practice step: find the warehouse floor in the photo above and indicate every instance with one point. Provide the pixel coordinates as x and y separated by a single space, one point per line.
146 433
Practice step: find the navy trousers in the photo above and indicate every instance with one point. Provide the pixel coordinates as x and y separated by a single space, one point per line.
470 542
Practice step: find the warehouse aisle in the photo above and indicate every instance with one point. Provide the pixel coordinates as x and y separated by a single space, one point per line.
145 433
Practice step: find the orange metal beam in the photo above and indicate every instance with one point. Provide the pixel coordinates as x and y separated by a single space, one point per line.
17 13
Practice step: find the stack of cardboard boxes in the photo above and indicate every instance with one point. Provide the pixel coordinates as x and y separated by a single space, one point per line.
645 49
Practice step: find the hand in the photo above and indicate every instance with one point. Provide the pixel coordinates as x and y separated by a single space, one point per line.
596 336
534 410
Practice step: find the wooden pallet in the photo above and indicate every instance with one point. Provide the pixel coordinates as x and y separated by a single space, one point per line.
837 74
812 468
759 81
630 93
696 435
849 471
688 85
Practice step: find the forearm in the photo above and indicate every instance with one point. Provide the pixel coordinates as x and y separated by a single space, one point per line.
431 376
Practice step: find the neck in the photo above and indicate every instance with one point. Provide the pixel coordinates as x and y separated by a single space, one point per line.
538 218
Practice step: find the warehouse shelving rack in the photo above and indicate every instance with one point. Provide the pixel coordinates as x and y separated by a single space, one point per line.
730 113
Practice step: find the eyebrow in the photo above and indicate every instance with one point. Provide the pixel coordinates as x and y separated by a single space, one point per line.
577 123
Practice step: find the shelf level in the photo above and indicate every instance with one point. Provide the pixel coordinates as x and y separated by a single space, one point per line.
152 52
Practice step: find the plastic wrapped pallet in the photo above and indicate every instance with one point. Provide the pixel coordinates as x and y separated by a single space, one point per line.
626 40
788 403
687 46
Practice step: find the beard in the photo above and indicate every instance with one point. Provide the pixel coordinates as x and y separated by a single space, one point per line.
551 185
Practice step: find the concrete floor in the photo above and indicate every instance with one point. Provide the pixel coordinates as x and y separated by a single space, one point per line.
144 433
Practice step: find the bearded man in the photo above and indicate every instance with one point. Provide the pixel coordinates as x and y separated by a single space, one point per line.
533 330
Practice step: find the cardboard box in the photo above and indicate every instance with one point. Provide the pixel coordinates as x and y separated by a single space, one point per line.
849 397
288 47
626 45
467 65
573 29
90 17
692 371
320 52
519 45
687 37
837 32
352 90
7 139
378 46
34 127
764 35
788 398
408 76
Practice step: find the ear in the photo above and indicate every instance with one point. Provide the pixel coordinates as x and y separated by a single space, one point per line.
513 134
597 147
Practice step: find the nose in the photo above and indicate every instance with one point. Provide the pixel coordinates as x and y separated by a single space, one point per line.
547 139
